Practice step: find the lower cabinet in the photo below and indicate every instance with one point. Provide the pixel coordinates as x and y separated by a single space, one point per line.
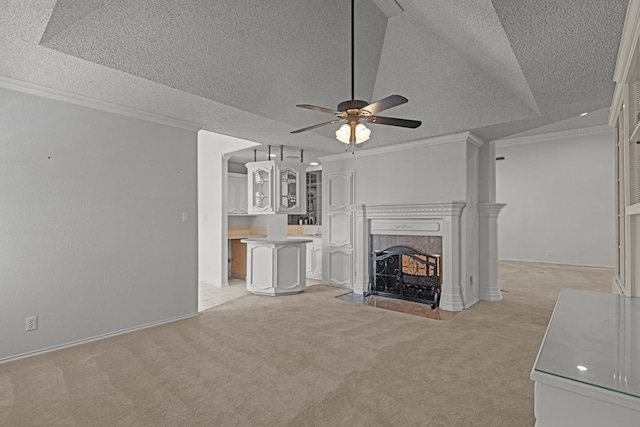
238 254
314 259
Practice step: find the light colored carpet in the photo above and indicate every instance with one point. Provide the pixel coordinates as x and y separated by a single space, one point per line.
305 360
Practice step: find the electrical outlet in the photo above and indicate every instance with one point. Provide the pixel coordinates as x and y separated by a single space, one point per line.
32 323
185 217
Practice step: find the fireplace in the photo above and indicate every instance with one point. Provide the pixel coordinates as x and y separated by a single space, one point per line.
405 273
426 221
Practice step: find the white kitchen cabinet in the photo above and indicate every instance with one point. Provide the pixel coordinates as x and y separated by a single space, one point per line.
237 199
276 188
314 259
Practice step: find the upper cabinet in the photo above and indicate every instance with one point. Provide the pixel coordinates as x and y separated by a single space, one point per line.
275 188
237 199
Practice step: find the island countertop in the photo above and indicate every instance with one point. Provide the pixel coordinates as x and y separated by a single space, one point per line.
276 241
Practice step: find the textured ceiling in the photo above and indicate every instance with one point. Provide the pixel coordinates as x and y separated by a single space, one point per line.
239 67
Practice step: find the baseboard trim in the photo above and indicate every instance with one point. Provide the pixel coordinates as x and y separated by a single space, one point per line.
555 263
616 287
470 303
94 338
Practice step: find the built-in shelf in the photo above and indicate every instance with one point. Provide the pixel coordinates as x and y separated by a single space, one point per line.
632 210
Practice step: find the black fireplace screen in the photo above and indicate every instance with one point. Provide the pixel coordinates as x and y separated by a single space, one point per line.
402 272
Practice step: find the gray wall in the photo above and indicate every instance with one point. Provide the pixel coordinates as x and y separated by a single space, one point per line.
431 173
559 193
91 233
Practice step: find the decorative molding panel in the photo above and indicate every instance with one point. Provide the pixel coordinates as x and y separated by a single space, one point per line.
414 210
287 261
340 266
340 190
339 229
409 227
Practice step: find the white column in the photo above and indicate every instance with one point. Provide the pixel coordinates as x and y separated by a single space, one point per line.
488 220
361 250
451 297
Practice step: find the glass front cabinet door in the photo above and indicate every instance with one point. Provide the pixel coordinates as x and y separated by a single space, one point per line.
275 188
291 199
260 187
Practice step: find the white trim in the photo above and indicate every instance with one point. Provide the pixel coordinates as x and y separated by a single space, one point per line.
410 210
632 210
554 136
617 287
628 45
475 140
628 42
95 338
556 263
59 95
458 137
490 210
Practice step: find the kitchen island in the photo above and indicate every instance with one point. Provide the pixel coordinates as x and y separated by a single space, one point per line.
276 266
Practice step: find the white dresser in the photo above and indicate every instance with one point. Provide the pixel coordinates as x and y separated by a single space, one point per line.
587 372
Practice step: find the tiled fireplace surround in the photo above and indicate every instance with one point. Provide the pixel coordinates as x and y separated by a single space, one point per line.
428 219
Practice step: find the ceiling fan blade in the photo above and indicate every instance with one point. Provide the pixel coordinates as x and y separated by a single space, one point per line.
317 126
391 121
385 103
316 108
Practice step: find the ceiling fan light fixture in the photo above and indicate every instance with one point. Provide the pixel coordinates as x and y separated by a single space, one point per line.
344 132
353 110
362 133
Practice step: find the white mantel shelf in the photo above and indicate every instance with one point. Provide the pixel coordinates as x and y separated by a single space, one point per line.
410 210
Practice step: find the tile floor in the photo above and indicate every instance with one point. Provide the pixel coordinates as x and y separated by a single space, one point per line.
210 296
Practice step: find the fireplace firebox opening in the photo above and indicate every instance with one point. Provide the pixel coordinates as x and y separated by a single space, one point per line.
405 273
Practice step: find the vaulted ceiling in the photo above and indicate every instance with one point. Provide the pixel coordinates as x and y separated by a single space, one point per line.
239 67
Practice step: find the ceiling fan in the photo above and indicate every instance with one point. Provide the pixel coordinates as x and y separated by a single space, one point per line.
355 111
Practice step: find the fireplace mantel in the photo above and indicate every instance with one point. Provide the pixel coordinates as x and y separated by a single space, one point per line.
435 219
410 210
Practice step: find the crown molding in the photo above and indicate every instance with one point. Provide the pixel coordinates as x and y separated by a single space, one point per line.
628 42
554 136
445 139
490 210
84 101
628 45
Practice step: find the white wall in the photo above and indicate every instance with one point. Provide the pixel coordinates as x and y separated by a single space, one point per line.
559 193
91 233
213 161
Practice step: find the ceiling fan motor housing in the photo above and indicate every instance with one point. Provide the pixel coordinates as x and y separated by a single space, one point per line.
354 104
